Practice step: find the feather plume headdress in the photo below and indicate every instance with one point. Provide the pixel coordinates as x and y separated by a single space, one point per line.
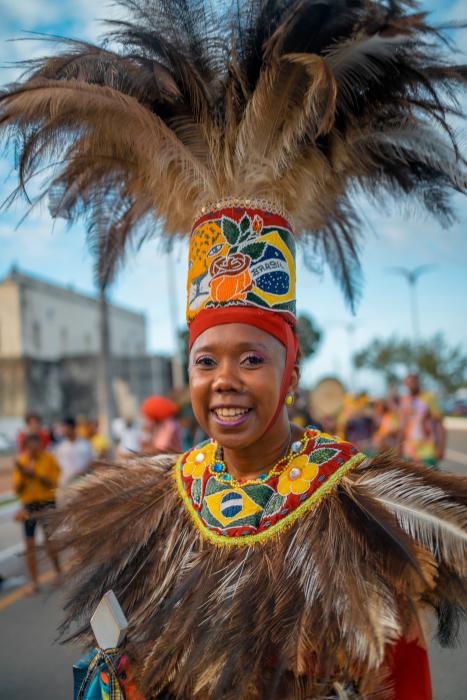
299 102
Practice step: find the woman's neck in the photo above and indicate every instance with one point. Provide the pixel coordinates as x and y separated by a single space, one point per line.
249 462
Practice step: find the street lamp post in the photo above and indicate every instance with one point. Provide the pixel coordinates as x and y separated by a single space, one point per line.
412 276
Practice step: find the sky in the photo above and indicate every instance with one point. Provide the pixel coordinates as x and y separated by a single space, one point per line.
394 237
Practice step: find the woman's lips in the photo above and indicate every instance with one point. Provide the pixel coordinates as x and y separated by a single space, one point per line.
230 417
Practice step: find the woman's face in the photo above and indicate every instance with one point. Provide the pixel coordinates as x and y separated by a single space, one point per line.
236 374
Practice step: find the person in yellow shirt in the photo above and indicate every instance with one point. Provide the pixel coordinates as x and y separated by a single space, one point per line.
35 479
98 440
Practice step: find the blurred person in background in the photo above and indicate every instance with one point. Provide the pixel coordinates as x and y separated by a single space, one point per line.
82 427
35 480
359 423
74 454
99 441
386 416
422 436
162 431
129 443
33 426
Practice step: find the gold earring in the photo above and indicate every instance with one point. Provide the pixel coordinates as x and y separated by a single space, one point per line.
289 399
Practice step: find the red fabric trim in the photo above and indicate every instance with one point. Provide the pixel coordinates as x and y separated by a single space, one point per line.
271 322
410 671
291 348
269 218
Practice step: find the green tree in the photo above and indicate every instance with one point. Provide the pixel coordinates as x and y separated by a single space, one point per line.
309 336
434 359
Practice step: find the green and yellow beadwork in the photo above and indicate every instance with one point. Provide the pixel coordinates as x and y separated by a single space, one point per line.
232 513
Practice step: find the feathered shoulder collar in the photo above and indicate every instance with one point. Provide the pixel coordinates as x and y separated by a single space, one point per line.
245 513
293 616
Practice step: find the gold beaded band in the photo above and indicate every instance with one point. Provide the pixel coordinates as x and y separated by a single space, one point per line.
243 203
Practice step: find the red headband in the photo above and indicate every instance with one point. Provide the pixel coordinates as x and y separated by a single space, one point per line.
270 322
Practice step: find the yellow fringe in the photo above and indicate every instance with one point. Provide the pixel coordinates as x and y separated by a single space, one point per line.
274 530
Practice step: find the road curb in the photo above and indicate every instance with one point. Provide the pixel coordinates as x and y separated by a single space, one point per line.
455 423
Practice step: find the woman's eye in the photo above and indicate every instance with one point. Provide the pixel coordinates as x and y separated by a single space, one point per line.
205 362
253 360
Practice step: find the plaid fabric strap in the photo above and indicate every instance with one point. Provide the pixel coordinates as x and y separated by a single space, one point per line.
103 661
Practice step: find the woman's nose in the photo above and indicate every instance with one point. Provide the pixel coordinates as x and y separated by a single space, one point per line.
227 378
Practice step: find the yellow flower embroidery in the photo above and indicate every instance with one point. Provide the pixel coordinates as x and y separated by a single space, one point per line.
298 476
197 461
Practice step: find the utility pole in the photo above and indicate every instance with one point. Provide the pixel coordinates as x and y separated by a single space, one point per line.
412 275
104 385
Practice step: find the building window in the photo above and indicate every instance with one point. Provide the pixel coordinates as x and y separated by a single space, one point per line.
36 335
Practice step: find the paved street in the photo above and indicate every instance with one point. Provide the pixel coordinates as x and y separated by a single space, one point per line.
34 667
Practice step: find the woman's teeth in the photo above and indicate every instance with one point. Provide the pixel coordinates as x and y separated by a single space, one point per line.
230 414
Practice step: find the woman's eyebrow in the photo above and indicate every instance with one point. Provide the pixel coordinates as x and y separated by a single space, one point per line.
240 347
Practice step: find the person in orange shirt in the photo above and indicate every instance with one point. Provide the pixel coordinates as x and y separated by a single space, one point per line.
33 426
35 479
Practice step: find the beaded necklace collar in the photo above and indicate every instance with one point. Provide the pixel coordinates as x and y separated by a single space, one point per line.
218 469
231 513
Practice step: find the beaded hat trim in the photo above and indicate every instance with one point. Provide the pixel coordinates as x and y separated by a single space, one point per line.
244 203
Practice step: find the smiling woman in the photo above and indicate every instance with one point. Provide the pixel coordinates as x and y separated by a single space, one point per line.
268 561
236 375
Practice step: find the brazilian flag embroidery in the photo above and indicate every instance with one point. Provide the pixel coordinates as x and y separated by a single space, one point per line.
242 514
225 507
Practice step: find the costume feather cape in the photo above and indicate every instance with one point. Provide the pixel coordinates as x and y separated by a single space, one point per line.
307 613
303 102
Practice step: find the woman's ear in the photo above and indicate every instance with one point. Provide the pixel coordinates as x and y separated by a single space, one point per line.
294 379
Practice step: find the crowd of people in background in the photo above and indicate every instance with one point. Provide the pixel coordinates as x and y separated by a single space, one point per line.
411 424
50 459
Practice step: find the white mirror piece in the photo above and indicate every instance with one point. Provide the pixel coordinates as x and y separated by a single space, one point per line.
108 622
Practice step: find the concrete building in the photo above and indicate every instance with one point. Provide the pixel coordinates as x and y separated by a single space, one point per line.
49 344
43 321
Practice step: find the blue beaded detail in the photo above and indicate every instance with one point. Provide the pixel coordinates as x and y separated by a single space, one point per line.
226 477
312 427
217 467
263 477
321 478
